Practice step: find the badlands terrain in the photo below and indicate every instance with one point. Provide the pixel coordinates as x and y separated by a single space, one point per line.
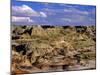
52 48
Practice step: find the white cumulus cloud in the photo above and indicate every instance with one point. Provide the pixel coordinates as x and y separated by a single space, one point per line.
25 10
21 19
43 14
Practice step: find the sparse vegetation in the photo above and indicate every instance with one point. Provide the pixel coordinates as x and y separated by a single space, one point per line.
39 49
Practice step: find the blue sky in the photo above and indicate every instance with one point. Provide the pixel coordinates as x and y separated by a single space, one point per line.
32 13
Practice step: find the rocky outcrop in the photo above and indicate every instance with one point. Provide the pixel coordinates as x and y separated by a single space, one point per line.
45 49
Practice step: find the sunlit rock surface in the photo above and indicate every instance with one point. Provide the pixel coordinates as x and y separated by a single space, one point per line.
48 49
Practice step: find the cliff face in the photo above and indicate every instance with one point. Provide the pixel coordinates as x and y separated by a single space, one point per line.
45 49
